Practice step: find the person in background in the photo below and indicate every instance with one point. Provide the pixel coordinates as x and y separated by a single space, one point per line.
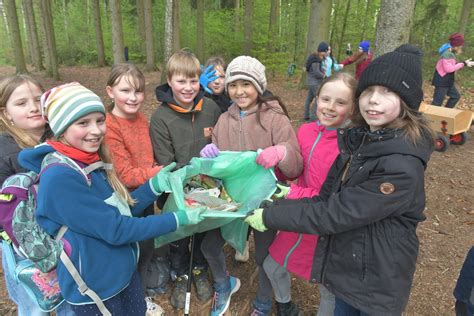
217 88
315 73
330 64
464 290
361 58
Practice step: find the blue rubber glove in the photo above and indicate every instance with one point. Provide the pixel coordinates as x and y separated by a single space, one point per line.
210 151
207 76
190 217
159 183
255 220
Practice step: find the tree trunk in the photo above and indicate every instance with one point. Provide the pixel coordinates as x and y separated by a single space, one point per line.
47 17
237 16
150 51
12 20
334 22
176 36
32 32
466 9
343 31
141 23
248 29
99 39
200 30
393 25
117 32
168 49
273 25
365 20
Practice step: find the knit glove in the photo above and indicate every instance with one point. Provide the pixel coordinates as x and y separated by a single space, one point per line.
207 76
160 182
271 156
190 217
209 151
255 220
282 190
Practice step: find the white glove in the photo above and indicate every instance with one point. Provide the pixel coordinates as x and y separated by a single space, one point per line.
470 63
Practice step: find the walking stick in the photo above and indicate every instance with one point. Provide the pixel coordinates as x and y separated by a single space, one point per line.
187 303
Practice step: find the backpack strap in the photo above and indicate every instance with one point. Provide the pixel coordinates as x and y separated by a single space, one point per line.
82 286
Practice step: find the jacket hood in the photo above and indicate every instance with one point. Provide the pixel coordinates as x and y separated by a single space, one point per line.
164 94
273 105
31 158
383 142
313 58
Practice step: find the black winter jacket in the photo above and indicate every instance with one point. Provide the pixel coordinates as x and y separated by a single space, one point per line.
366 217
8 158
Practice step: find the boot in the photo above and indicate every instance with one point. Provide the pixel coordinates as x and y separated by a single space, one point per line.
288 309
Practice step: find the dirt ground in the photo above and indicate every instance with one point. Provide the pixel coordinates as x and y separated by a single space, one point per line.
445 236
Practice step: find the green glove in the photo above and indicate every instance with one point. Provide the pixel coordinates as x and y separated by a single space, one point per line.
256 220
283 190
190 217
159 183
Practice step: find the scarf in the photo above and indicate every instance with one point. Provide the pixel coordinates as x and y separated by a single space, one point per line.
74 153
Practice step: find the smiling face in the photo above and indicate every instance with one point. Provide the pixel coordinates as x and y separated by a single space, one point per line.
217 86
335 103
23 109
126 96
86 133
185 89
243 93
379 106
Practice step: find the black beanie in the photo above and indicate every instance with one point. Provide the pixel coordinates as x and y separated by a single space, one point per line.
400 71
323 47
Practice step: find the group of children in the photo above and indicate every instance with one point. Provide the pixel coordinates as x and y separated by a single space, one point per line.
348 223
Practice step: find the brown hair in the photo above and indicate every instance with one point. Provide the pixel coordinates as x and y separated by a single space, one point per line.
183 63
7 86
216 61
261 102
132 74
345 77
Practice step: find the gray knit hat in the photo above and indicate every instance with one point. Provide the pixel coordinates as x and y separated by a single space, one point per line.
246 68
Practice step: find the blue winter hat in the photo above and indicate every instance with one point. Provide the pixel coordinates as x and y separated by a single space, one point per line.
323 47
444 48
364 45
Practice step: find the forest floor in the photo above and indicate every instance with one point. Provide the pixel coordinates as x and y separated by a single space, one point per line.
445 236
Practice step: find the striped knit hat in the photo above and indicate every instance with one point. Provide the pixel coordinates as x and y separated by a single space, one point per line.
63 105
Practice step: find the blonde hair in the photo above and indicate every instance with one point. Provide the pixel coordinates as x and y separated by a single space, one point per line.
132 75
183 63
216 61
348 79
7 86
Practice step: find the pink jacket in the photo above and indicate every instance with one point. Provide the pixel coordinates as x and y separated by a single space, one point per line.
447 65
319 150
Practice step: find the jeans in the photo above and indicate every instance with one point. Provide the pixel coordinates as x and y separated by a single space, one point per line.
326 302
464 290
344 309
441 92
212 249
312 90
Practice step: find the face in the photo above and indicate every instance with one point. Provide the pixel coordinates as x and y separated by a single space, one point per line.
86 133
379 106
217 86
185 89
335 103
23 109
243 93
126 98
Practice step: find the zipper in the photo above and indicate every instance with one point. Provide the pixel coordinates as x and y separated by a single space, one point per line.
287 257
240 135
311 156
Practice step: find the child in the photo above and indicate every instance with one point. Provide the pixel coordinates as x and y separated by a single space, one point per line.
362 58
292 252
368 208
315 75
443 77
179 128
20 116
217 86
330 63
252 122
98 212
129 143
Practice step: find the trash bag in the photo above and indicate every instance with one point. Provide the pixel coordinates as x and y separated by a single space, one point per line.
245 181
158 276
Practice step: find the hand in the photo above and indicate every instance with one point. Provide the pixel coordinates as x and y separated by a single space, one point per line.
271 156
283 191
207 77
160 182
255 220
190 217
469 62
210 151
340 66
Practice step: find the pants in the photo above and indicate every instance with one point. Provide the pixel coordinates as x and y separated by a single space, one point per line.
312 91
212 249
441 92
262 243
130 301
464 290
146 252
180 254
344 309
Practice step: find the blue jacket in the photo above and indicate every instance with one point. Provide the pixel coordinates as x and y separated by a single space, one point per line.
103 241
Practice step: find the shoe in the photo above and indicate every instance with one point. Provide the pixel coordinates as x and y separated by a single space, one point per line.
203 287
153 309
178 296
244 256
288 309
222 296
261 309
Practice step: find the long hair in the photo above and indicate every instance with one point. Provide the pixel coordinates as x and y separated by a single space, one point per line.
7 86
132 75
262 103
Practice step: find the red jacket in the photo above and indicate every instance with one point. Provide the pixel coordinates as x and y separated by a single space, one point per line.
361 60
319 150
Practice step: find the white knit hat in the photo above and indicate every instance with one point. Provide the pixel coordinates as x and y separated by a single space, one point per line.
246 68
